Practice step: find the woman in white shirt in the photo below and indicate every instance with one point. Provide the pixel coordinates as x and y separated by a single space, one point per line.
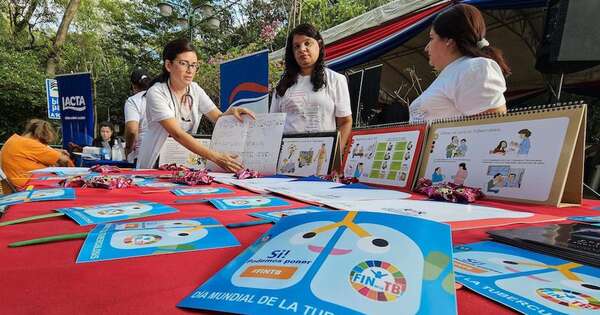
315 98
471 72
135 113
174 106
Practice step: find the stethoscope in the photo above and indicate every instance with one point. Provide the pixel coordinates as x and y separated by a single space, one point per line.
178 109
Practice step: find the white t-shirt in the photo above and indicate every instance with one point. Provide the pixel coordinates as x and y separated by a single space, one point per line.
135 110
160 106
310 111
465 87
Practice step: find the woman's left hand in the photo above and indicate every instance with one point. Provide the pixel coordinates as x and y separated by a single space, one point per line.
237 112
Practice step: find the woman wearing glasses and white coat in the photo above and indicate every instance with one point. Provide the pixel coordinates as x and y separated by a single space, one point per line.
174 106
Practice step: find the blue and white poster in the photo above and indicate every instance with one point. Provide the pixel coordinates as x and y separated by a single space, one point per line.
135 239
243 203
76 108
245 82
277 215
201 191
338 262
52 99
526 281
38 195
115 212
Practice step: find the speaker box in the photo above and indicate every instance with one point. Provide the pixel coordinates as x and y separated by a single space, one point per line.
571 40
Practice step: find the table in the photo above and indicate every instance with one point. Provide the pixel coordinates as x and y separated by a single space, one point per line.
45 279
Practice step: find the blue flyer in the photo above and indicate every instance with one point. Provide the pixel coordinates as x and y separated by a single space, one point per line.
115 212
526 281
153 183
38 195
593 220
277 215
135 239
338 262
243 203
201 191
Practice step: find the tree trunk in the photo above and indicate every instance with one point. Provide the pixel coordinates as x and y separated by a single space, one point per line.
61 36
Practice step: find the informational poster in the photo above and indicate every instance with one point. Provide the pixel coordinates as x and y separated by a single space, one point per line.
526 281
112 212
37 195
245 82
256 142
135 239
515 160
458 216
307 155
277 215
201 191
243 203
338 262
173 152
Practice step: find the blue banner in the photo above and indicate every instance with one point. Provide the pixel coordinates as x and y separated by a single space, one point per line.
245 82
52 98
76 108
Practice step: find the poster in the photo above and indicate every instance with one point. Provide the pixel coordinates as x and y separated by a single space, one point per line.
135 239
526 281
201 191
76 108
112 212
306 156
512 159
337 262
256 142
458 216
383 158
244 203
173 152
277 215
259 184
38 195
245 82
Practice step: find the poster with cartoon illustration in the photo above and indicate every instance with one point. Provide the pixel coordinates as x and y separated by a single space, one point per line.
155 183
516 160
112 212
277 215
338 262
527 281
37 195
306 154
173 152
135 239
243 203
386 156
201 191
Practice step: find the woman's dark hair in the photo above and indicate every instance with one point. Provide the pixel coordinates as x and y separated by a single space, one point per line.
170 52
140 78
465 25
292 69
499 147
463 165
106 124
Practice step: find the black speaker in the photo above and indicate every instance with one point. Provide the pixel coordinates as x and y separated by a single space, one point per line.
571 40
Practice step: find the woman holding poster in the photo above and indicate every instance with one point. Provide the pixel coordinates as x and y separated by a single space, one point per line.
174 106
471 72
315 98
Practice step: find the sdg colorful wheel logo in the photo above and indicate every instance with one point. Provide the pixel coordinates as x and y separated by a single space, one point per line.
378 280
569 298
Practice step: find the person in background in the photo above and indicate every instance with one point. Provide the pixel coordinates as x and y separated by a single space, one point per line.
315 98
174 106
135 113
107 135
22 154
471 71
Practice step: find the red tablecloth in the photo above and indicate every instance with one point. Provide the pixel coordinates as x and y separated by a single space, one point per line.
45 279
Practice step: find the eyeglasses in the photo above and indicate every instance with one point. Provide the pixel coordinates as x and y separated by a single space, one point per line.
188 65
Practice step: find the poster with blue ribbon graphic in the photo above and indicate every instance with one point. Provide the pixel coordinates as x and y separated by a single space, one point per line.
76 108
338 262
52 99
245 82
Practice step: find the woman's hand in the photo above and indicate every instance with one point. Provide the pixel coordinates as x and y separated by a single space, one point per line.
237 112
227 162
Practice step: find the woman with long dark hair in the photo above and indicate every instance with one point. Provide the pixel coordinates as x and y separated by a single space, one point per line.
315 98
135 113
471 71
174 106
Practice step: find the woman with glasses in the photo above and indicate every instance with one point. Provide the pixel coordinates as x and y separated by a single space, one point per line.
315 98
174 106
